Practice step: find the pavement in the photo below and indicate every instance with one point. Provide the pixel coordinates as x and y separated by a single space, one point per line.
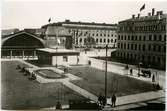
124 102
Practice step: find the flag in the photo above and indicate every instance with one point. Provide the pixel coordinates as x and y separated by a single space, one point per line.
49 20
142 8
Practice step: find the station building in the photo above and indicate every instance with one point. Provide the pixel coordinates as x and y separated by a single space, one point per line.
101 33
142 39
21 45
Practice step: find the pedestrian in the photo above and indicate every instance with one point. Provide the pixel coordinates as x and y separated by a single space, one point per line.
131 72
100 98
113 100
153 78
58 105
104 100
127 67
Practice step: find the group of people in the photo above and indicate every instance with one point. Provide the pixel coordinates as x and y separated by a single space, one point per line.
26 72
102 100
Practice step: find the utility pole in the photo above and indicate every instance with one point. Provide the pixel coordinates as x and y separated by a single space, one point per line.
106 75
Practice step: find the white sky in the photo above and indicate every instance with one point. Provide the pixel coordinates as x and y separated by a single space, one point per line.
34 14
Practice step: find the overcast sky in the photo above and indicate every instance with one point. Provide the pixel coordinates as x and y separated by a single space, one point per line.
34 14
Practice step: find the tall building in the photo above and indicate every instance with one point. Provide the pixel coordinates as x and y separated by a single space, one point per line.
143 39
100 33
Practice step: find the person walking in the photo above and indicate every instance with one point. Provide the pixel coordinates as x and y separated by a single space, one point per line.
131 72
58 105
113 100
100 98
153 78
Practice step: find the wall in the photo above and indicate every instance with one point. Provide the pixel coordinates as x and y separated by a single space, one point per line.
100 64
71 60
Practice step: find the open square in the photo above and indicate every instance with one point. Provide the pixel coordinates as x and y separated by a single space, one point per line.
93 81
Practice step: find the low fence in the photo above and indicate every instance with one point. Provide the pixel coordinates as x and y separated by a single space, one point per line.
100 64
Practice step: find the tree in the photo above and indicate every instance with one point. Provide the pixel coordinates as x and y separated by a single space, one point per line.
89 42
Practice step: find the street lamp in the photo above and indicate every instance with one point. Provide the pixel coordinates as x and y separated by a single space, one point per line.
106 75
56 56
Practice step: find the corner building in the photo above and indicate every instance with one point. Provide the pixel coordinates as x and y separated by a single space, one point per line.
143 40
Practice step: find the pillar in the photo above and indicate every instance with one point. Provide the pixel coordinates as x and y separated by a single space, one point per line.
34 54
23 54
10 53
77 60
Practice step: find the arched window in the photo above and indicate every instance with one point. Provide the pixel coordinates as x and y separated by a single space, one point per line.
101 40
80 40
84 40
125 46
97 40
160 37
108 40
104 40
155 37
143 47
125 37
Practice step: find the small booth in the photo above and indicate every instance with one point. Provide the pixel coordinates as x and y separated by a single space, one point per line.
55 56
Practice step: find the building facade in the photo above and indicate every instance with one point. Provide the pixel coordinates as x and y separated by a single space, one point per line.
21 45
100 33
55 57
143 40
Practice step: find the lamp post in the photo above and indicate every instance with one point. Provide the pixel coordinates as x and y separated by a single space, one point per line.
56 56
106 74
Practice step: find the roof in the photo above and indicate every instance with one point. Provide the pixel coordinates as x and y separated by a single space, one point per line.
59 51
78 23
145 18
19 33
54 50
9 31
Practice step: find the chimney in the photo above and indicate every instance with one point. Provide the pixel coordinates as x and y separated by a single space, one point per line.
153 11
133 16
138 16
149 14
67 20
159 12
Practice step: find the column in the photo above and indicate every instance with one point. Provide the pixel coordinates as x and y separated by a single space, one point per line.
34 54
77 60
10 53
23 54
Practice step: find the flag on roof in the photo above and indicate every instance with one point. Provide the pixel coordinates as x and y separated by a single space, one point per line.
142 8
49 20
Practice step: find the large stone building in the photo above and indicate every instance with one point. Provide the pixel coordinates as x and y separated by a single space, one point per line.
100 33
143 39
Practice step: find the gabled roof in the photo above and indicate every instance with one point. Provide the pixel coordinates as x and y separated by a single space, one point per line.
19 33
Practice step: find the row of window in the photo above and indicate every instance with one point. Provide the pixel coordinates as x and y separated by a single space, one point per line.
140 47
139 57
143 28
140 38
91 31
88 33
99 40
96 34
